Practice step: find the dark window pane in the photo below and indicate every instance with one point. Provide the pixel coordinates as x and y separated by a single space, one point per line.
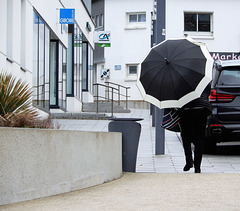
190 22
204 22
132 69
132 18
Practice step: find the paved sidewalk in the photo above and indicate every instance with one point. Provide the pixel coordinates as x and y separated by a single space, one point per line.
172 161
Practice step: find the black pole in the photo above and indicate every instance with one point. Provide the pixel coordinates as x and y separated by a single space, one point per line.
160 133
159 37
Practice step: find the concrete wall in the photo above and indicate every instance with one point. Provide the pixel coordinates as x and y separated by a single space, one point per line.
38 163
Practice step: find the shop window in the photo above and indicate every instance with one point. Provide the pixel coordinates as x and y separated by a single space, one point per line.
85 67
49 68
88 73
58 63
41 45
74 66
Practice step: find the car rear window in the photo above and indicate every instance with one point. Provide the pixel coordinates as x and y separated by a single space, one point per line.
229 77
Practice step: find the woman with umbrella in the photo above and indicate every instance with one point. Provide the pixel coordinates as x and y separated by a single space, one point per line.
175 74
193 117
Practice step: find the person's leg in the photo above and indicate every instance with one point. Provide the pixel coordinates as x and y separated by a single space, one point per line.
199 135
186 139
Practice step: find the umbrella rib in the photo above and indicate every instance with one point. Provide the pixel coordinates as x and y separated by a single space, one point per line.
184 77
183 51
149 70
180 65
153 78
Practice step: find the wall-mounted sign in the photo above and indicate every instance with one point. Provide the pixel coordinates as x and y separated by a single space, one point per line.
225 55
103 38
117 67
102 45
88 26
105 73
67 16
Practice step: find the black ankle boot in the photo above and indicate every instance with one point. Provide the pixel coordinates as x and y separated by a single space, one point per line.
197 170
188 166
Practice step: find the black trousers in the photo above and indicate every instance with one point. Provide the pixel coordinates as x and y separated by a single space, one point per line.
193 125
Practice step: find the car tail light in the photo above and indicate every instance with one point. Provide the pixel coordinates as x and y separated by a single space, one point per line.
223 98
215 125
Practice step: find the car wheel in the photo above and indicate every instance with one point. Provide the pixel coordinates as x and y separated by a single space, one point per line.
209 146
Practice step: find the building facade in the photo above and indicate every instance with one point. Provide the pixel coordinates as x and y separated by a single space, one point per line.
212 22
130 26
55 59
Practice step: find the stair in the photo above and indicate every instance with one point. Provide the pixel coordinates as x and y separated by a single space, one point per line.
92 116
104 107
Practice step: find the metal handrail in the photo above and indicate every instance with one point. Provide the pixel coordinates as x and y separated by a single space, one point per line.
111 90
119 92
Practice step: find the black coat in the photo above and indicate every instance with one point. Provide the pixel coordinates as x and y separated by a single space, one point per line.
201 102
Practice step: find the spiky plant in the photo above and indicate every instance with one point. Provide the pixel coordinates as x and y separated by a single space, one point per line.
15 99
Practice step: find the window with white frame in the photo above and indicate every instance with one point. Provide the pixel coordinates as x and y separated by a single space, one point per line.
197 22
137 17
132 71
136 20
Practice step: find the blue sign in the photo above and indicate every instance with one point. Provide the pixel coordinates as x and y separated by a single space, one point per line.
67 16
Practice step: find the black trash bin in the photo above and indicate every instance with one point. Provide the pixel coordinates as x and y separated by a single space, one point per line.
130 130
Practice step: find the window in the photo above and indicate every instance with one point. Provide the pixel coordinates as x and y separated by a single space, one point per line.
136 20
229 77
132 71
74 56
138 17
41 45
87 73
198 22
99 21
49 67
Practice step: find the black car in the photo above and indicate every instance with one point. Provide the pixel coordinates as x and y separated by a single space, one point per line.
224 123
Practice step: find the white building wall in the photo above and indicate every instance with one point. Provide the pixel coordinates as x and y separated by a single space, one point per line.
226 30
51 16
128 46
16 33
3 34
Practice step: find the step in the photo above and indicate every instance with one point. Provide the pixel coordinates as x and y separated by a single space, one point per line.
95 116
105 107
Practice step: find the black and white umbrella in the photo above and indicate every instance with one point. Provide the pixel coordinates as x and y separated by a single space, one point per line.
175 72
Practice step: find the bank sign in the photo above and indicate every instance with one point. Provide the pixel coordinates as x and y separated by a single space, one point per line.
104 38
67 16
225 55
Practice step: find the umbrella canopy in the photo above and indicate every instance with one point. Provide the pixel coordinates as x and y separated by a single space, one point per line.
175 72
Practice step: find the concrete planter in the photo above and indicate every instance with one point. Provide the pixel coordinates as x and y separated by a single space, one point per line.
37 163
